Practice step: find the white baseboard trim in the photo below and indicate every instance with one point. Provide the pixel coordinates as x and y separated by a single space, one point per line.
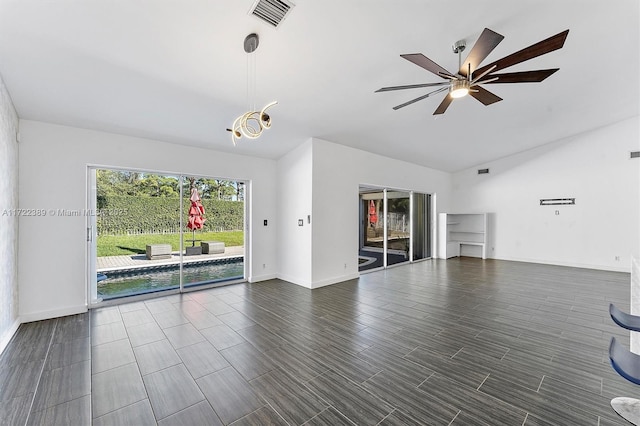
318 284
258 278
295 281
626 269
62 312
335 280
8 335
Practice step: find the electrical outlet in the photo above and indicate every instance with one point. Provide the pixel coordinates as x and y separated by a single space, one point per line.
264 265
617 258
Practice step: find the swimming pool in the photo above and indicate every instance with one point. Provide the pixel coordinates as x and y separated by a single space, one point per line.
122 283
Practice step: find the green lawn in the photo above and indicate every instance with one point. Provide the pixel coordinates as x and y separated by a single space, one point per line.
114 245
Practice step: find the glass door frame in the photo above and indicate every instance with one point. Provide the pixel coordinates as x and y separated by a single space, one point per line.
93 301
395 194
429 224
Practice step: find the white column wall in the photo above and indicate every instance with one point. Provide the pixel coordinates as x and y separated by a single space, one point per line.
338 171
295 188
593 167
53 165
8 220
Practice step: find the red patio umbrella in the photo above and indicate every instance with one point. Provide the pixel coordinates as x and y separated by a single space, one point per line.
373 216
196 214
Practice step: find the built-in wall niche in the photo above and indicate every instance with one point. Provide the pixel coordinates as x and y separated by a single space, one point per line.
462 234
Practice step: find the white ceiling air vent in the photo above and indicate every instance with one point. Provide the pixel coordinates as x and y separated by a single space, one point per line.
483 171
272 12
634 154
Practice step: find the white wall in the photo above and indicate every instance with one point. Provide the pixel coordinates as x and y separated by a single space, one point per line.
8 222
53 166
594 168
321 178
338 172
295 188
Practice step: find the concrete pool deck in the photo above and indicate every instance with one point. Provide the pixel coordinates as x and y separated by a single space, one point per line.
114 263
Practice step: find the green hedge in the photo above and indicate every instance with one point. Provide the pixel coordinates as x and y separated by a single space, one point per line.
126 215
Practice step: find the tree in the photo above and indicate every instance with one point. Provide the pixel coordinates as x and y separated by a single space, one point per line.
399 205
115 182
226 190
208 188
239 191
158 186
109 183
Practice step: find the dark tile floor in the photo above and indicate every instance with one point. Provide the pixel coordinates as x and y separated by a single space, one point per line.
45 373
456 342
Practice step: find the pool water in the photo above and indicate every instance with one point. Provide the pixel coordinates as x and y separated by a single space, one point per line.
148 280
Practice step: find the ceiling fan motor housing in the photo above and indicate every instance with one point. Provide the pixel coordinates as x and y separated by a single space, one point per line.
459 46
459 88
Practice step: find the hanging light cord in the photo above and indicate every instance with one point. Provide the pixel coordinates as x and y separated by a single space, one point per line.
253 122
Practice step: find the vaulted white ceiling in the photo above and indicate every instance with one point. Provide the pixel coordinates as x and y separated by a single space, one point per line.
176 71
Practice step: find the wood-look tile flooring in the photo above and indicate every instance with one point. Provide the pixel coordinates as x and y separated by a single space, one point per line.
456 342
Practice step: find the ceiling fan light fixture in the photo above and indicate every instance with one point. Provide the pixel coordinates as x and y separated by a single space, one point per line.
459 88
464 82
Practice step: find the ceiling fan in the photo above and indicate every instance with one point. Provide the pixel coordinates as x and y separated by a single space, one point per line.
470 78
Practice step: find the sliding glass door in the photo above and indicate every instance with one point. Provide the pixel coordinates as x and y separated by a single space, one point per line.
213 237
395 227
137 221
398 227
155 232
372 233
420 225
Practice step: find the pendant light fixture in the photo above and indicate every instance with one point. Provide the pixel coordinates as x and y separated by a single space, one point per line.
252 123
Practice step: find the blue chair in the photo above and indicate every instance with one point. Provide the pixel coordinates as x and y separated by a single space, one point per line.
627 364
623 319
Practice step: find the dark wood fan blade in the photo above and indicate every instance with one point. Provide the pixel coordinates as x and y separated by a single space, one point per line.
412 101
411 86
443 105
487 41
484 96
426 63
521 77
545 46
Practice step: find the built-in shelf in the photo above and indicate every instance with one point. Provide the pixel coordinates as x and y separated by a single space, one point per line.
462 233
